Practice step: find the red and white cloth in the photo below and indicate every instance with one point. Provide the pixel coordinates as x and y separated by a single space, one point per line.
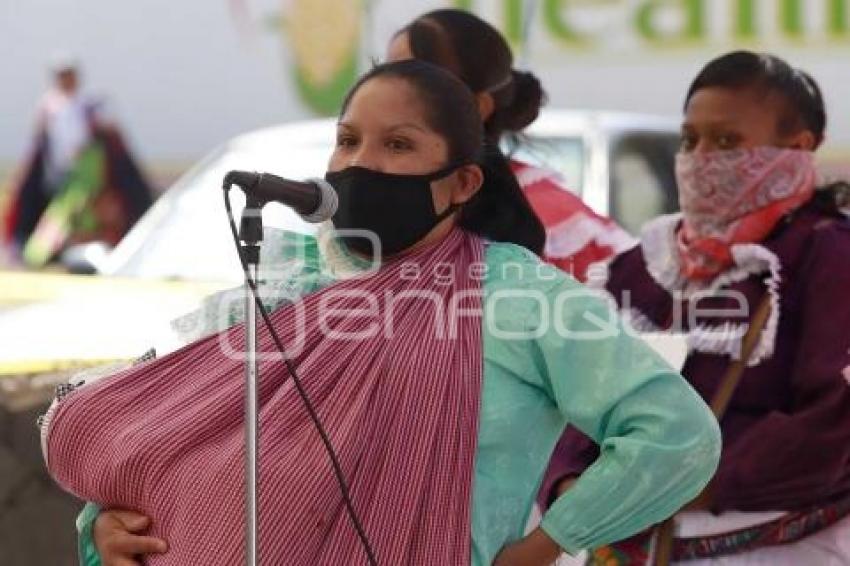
576 236
166 438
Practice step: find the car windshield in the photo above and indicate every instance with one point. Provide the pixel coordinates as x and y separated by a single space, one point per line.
643 178
185 234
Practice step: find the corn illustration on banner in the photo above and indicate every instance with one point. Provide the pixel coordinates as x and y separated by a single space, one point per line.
331 41
324 36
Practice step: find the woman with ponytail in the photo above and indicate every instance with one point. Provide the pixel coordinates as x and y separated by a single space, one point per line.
509 100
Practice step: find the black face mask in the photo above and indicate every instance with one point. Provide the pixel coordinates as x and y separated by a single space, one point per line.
399 209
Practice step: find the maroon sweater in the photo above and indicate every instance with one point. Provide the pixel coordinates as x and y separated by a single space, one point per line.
786 433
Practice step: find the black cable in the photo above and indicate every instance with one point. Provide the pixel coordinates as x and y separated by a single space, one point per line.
308 405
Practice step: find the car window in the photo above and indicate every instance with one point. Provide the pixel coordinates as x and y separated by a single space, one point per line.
185 234
564 155
643 181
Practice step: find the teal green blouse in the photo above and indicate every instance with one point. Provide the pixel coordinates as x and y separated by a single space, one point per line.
554 353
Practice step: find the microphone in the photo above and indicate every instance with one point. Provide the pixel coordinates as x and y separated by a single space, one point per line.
314 200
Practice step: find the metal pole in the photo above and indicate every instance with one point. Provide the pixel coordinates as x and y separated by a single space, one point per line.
251 233
251 423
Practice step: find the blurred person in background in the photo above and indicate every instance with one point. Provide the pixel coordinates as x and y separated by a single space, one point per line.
756 231
509 100
79 182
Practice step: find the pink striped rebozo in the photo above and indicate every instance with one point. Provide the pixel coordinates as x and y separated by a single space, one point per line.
401 408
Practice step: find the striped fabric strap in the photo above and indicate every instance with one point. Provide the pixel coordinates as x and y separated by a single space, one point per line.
787 529
397 388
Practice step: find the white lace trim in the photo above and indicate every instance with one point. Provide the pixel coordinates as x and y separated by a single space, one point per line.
658 245
742 254
658 241
639 321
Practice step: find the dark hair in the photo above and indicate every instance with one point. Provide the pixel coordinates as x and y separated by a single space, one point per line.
477 53
804 105
499 210
833 198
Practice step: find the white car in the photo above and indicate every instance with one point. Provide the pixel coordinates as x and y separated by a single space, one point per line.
620 164
181 249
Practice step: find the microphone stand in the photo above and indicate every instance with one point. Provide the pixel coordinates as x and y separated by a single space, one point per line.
251 234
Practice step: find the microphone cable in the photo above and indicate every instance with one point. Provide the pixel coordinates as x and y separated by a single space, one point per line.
308 405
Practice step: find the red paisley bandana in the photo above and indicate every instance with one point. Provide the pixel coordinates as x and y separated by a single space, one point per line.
734 197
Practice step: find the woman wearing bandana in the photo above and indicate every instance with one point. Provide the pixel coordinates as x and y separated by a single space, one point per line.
443 425
754 227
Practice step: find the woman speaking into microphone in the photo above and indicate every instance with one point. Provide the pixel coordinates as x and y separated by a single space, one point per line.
442 399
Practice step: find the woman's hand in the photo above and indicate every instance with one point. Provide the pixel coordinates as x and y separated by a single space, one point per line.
117 540
537 549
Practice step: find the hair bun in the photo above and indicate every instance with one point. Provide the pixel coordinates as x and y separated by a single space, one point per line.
526 100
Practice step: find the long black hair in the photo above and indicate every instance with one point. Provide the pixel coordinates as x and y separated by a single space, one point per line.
499 210
478 55
803 109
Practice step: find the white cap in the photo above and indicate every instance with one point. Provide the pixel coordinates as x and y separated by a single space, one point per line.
63 61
